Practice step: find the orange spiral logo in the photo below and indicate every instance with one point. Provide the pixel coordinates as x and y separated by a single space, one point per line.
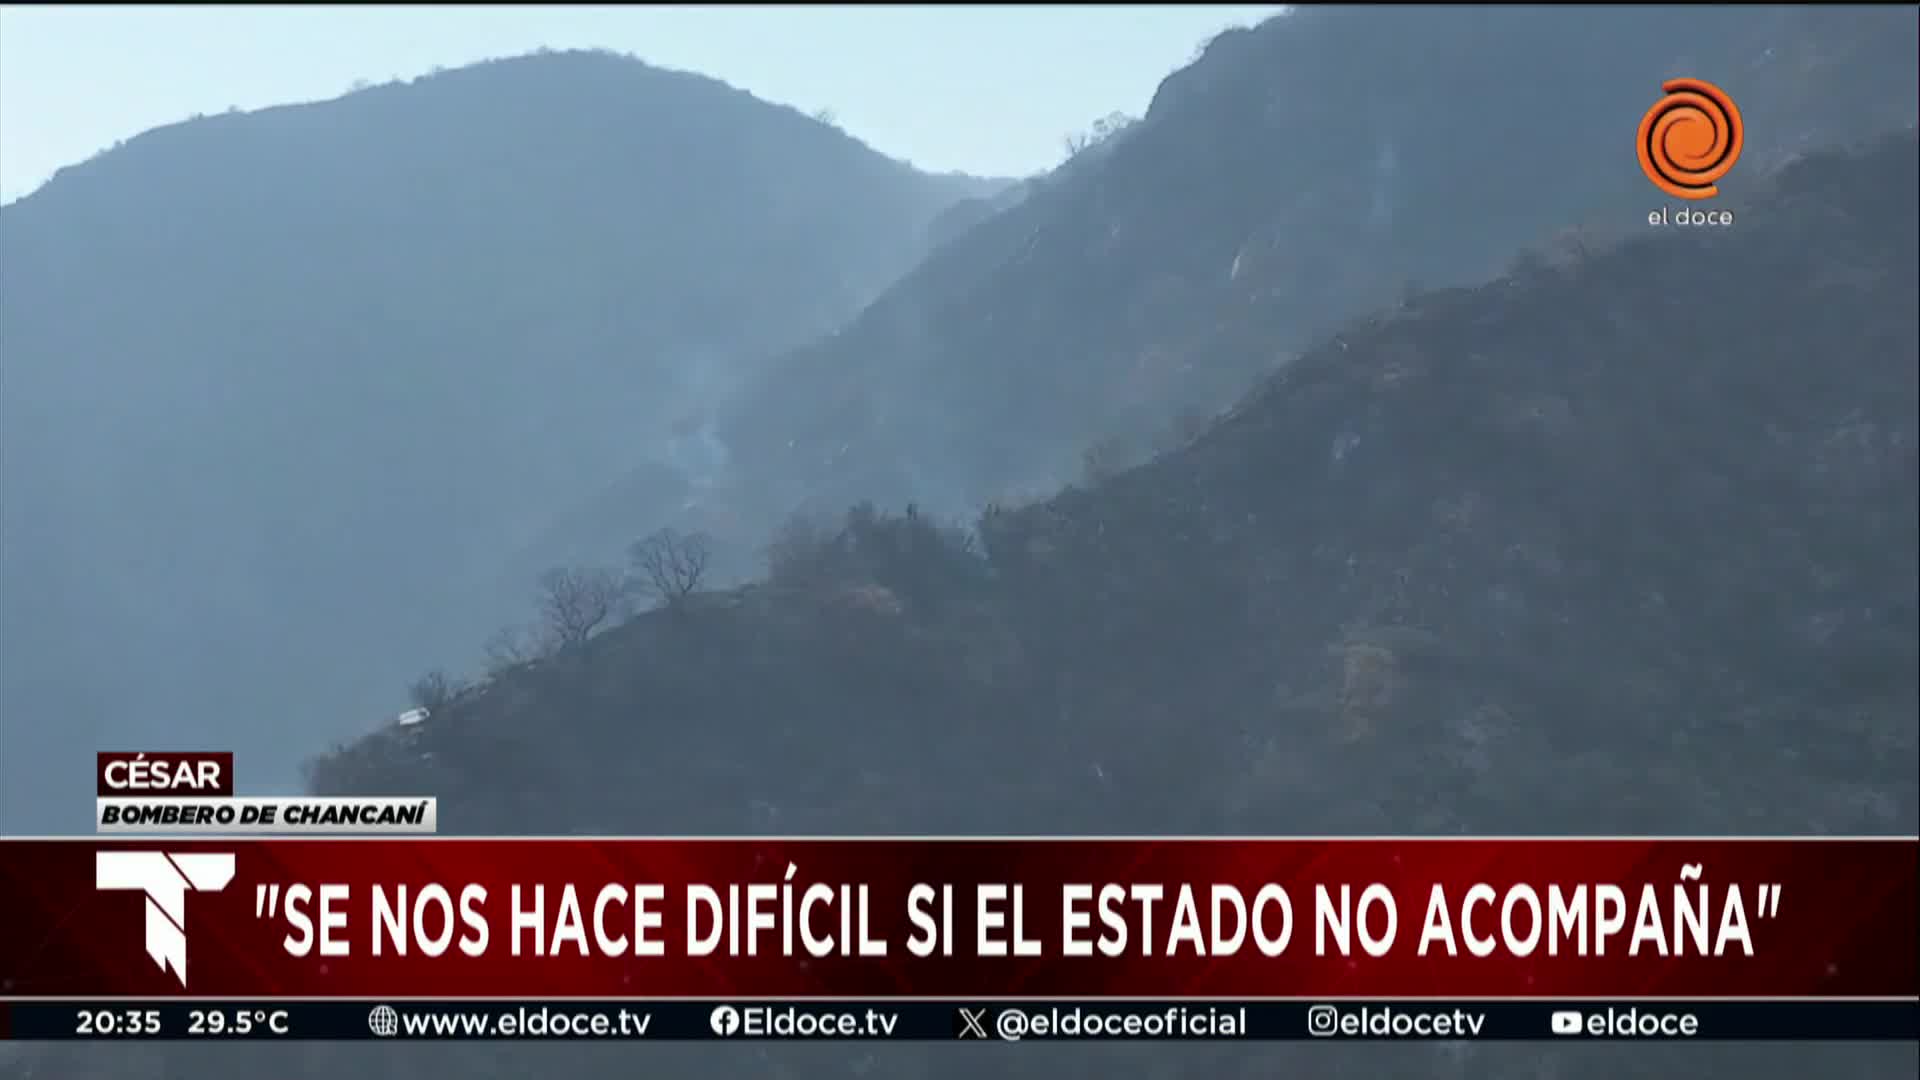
1690 139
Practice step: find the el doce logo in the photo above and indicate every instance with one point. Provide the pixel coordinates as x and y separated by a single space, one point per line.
1690 139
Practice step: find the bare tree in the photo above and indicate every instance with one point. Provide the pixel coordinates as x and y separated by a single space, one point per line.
515 646
576 602
671 565
1102 130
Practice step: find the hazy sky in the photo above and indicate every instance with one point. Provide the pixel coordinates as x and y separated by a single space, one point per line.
989 90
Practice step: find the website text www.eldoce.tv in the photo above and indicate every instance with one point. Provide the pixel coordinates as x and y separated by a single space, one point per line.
525 1023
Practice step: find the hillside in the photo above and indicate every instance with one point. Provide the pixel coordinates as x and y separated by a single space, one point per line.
289 392
1621 545
1298 175
1642 524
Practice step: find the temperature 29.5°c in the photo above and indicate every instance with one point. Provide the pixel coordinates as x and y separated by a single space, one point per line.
238 1022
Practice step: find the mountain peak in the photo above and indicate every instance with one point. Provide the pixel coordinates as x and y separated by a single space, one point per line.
393 337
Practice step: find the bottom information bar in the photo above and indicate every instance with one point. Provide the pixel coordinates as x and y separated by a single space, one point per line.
1004 1021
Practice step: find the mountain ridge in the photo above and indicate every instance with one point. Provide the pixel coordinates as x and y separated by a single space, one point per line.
1368 397
1061 322
343 361
442 79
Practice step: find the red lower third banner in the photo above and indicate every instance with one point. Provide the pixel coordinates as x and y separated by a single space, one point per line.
631 918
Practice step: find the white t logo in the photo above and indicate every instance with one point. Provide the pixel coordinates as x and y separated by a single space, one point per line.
166 879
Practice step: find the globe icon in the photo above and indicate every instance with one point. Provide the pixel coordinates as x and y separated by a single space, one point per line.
383 1021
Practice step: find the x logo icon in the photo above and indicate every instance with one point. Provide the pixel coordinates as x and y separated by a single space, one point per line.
973 1024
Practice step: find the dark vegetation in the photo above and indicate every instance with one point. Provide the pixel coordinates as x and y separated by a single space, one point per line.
294 398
